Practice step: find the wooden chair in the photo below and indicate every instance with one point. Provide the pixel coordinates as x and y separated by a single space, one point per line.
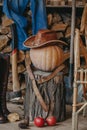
80 77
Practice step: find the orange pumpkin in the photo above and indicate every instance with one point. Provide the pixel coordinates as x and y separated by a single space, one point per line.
47 58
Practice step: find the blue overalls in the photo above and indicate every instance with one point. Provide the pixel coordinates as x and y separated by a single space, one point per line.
14 10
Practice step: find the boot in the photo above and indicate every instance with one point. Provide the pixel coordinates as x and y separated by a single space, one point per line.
2 117
4 71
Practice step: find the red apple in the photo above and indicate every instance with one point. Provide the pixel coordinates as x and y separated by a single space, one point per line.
51 120
39 121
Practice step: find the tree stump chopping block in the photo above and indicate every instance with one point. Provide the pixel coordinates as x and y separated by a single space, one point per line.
53 93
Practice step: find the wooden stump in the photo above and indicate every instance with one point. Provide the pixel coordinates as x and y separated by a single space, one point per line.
53 93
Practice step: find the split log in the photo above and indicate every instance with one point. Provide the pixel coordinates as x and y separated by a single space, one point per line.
59 27
56 18
4 30
7 49
49 19
68 32
3 41
84 19
6 21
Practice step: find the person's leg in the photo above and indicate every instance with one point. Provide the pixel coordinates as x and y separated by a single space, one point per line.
4 69
5 62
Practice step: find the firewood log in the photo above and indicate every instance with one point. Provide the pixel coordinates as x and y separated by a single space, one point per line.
83 19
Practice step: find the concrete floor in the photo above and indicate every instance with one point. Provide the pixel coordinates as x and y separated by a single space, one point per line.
65 125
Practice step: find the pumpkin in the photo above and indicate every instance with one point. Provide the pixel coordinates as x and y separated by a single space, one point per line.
47 58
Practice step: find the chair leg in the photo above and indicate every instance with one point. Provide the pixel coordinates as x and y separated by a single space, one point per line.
74 121
74 115
85 109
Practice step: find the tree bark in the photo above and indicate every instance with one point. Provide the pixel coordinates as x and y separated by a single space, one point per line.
53 93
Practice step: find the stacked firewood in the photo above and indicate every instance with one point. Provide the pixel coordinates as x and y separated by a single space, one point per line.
58 21
5 47
61 23
65 2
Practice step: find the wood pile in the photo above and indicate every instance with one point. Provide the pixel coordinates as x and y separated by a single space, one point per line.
5 47
60 21
65 2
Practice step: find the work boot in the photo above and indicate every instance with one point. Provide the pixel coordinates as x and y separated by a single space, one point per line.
2 117
4 71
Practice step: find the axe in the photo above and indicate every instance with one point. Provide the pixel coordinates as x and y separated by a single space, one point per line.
25 123
15 78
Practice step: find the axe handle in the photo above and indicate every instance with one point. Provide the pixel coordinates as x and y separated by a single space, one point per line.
16 84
